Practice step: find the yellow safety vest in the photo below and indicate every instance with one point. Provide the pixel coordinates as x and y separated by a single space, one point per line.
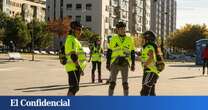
144 57
121 47
96 54
72 45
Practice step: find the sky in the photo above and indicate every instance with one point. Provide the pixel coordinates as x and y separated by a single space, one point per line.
192 12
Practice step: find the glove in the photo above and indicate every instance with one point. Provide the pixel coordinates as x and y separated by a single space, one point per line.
80 70
108 66
63 60
132 67
81 73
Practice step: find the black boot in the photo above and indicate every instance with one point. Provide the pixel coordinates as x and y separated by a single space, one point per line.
93 78
99 78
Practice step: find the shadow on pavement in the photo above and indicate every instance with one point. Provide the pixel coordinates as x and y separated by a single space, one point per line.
191 65
40 87
188 77
61 87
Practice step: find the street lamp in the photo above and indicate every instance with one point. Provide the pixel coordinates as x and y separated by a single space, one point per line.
31 27
32 35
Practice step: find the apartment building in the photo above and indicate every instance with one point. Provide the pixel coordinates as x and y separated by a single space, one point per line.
146 15
34 10
27 9
101 16
163 17
135 16
119 11
93 14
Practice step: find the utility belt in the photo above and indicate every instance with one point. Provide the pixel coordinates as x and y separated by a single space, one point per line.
122 61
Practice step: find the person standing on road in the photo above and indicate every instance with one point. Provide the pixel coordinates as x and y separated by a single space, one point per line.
120 54
96 56
205 59
75 58
149 63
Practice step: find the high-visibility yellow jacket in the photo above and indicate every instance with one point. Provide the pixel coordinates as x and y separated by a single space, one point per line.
72 45
96 54
144 57
121 47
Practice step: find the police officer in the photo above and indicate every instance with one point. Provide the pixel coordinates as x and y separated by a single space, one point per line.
75 58
120 55
95 55
148 58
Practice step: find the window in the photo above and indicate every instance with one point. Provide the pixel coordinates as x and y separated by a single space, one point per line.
107 20
107 8
88 18
78 18
69 6
88 6
78 6
106 31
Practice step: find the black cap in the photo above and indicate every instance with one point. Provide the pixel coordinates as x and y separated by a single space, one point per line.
120 25
75 24
149 35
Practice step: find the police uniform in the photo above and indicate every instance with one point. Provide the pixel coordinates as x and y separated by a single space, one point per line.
120 57
73 46
151 74
96 53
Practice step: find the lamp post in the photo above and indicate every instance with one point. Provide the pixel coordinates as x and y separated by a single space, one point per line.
31 30
32 35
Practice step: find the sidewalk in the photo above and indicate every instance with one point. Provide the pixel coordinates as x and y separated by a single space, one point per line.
46 76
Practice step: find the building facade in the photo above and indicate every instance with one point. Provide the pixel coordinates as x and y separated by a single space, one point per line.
163 17
135 16
27 9
93 14
101 16
146 15
119 11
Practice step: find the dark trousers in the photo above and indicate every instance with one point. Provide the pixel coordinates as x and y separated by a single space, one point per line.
73 80
94 64
205 64
148 84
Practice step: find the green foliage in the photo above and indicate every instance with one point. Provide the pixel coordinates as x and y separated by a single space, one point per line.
42 38
3 19
186 37
2 32
86 35
16 31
